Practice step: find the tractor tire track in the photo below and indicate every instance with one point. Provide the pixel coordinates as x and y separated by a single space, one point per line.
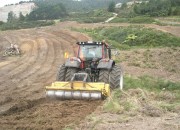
22 95
20 61
26 64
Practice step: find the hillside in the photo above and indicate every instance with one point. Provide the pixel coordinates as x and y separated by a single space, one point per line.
25 8
77 6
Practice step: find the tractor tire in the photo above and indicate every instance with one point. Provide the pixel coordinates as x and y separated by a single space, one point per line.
103 76
61 73
70 72
116 77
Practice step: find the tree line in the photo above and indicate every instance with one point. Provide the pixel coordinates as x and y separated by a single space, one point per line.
48 12
79 6
43 12
55 9
158 8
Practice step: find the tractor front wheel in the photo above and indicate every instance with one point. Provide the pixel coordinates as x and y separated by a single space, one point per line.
70 72
104 76
61 73
116 77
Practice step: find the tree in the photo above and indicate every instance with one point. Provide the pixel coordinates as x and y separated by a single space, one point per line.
124 5
176 11
154 8
111 7
45 12
11 17
21 17
175 2
1 22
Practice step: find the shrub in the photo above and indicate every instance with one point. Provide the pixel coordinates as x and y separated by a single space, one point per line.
26 24
1 22
143 37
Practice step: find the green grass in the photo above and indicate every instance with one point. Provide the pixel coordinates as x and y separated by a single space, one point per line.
132 37
95 16
172 18
113 105
137 19
157 94
25 24
147 20
151 84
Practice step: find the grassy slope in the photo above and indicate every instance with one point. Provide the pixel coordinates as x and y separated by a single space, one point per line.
133 37
95 16
144 98
164 95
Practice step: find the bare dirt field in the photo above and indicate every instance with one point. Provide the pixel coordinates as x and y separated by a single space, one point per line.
22 78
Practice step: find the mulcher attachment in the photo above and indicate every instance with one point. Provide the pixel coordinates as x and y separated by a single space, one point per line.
78 88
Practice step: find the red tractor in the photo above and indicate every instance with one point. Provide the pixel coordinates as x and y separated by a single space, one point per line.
94 59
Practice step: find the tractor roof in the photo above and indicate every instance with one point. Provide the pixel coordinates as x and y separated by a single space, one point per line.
92 43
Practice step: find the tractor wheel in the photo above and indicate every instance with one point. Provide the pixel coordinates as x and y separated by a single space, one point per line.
116 77
70 72
61 73
104 76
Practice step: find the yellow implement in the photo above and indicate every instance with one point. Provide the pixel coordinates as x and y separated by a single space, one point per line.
78 90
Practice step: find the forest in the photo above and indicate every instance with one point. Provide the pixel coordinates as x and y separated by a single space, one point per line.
158 8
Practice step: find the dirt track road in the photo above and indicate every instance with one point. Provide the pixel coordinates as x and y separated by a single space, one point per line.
22 79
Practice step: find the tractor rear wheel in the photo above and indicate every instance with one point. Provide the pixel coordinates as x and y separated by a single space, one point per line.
116 77
61 73
70 72
103 76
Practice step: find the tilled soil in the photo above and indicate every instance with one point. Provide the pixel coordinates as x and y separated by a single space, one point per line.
44 114
23 80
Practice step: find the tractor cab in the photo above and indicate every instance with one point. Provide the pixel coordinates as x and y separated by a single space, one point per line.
92 50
